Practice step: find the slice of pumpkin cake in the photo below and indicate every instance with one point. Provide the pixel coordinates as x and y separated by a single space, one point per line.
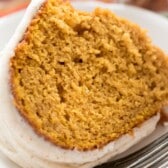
78 88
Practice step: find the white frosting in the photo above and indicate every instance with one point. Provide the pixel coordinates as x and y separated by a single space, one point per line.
19 142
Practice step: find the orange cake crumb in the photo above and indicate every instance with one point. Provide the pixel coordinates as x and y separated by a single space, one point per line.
84 79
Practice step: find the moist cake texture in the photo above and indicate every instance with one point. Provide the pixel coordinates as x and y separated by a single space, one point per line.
83 79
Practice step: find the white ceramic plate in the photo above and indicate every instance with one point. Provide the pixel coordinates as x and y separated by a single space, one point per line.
156 25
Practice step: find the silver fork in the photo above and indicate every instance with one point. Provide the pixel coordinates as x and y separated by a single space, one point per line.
154 155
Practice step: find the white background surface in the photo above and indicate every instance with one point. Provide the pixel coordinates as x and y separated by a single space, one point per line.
156 25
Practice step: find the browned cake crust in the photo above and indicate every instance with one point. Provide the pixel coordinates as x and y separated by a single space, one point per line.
84 79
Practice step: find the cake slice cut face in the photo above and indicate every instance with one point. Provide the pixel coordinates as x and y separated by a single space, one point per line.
82 80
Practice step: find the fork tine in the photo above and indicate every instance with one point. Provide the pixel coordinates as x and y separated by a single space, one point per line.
152 159
162 164
155 160
157 150
150 155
